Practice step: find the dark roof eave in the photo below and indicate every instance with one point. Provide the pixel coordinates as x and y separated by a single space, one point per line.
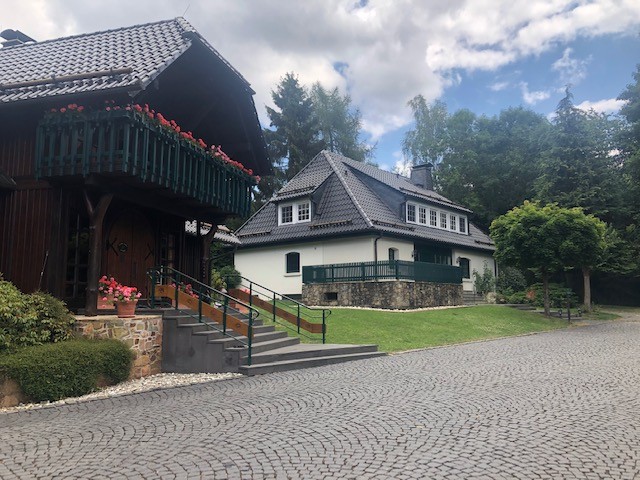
130 90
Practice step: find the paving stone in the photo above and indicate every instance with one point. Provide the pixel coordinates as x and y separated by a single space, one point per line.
562 404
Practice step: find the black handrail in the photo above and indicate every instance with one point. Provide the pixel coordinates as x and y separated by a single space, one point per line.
178 278
325 312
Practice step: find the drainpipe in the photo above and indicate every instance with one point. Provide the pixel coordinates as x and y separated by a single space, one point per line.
375 254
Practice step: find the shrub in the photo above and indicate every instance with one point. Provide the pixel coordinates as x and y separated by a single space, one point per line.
67 369
231 276
557 295
484 282
510 280
31 319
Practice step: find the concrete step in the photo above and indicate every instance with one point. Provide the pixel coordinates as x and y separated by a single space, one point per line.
305 350
273 344
304 363
259 337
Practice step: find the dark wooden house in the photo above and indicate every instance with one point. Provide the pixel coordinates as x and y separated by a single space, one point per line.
91 186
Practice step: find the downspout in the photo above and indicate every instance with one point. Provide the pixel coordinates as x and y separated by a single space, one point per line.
375 254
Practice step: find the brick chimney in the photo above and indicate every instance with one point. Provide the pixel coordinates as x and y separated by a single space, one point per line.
14 37
421 176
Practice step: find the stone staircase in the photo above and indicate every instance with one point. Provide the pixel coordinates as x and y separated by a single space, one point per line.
471 298
193 347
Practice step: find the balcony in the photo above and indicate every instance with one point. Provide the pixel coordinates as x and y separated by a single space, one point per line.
128 146
384 270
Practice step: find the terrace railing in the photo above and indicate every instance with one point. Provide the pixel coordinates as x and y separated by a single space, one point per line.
384 270
124 143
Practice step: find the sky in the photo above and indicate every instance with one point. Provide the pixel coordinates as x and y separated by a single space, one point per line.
482 55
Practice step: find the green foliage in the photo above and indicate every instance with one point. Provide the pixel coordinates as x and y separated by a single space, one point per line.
557 295
217 280
426 143
484 282
339 123
231 276
510 280
66 369
31 319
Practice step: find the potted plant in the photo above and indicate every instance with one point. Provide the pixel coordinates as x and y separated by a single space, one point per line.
106 289
126 299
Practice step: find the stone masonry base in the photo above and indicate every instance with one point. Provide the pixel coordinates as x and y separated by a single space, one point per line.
398 294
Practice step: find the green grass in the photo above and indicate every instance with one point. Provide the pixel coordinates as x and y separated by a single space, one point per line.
398 331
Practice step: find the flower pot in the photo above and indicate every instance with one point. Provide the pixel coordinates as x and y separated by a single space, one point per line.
106 302
126 309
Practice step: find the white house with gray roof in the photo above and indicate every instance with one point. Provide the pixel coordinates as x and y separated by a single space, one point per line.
337 211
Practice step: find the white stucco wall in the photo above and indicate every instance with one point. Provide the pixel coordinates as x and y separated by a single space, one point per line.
476 262
267 265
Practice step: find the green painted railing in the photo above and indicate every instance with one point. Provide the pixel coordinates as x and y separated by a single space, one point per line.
385 270
121 142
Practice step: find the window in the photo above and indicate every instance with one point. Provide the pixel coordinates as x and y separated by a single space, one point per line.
463 225
422 215
393 254
304 212
433 218
293 262
464 266
411 213
453 222
295 213
443 220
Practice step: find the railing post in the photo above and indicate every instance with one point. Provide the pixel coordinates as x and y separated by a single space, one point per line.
274 307
177 283
199 304
224 314
153 288
324 326
249 336
396 267
250 294
298 319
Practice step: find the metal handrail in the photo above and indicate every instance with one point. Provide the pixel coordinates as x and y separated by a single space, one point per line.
325 312
178 278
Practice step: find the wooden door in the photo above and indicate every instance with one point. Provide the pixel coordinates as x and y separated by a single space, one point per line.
130 250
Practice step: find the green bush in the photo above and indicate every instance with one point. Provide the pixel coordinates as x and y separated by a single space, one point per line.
31 319
67 369
510 280
518 297
557 295
231 276
484 282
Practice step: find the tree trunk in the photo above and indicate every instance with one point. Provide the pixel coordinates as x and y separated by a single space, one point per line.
545 285
586 277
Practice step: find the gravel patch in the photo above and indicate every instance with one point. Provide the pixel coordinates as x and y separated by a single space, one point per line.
153 382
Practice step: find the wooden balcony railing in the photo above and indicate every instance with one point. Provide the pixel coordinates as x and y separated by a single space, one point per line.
124 143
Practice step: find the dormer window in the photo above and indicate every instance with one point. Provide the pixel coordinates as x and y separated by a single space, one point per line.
298 212
435 217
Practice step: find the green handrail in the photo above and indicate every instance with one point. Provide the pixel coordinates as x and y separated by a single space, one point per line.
203 292
323 313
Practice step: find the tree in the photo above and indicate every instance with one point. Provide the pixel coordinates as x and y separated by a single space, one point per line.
295 139
339 123
427 142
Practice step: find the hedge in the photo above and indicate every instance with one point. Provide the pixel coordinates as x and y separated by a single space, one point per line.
67 369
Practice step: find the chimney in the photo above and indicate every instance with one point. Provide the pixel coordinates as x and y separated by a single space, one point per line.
421 176
14 37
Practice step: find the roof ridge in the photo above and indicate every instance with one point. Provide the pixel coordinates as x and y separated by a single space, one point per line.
178 20
365 217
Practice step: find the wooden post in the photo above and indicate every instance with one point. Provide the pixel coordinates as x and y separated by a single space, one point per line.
96 223
205 270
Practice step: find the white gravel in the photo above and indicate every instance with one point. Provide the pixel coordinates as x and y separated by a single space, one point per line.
153 382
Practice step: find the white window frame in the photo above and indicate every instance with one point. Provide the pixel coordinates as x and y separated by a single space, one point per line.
444 219
300 212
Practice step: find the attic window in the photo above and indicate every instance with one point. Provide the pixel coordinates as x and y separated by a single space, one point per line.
298 212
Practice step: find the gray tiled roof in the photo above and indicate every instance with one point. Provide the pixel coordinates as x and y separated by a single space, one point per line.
350 198
140 53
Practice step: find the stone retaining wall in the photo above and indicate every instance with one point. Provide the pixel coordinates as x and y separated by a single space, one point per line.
143 334
398 294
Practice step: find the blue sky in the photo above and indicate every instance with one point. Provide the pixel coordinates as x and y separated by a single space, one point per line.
484 55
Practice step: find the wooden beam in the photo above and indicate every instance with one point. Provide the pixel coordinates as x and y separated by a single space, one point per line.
96 228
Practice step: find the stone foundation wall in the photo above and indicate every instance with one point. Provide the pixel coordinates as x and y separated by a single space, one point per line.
143 334
398 294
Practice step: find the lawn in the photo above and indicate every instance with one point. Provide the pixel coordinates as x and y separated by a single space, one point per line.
398 331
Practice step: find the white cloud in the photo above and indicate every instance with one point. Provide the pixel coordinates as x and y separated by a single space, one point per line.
531 98
393 49
498 86
571 70
609 105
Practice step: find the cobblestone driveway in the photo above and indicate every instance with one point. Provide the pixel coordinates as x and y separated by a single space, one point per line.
564 404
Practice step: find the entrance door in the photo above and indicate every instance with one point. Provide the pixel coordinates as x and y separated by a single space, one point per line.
130 251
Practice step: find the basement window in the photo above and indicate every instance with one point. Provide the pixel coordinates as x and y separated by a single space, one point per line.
331 296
